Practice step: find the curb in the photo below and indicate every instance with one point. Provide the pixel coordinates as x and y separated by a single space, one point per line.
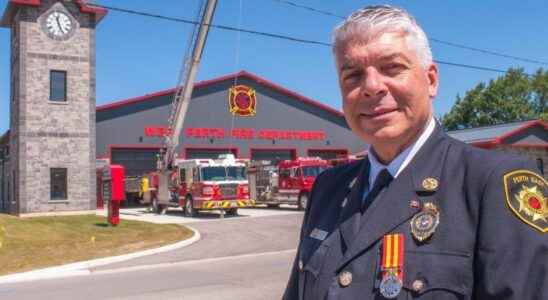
82 268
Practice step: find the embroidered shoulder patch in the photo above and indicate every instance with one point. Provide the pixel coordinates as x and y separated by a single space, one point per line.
526 194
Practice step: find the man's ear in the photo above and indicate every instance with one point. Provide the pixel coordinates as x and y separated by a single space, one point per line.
433 80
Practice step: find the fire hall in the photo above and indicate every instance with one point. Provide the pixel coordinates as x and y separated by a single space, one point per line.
53 110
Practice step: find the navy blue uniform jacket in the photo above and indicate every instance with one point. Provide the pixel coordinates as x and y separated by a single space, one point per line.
480 250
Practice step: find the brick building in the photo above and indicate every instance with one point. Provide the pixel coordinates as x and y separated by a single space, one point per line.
51 165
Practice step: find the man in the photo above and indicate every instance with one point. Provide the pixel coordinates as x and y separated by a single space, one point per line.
423 216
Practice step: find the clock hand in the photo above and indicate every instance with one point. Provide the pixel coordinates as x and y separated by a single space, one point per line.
59 24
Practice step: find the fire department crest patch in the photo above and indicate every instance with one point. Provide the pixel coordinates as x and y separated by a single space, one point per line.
242 101
526 195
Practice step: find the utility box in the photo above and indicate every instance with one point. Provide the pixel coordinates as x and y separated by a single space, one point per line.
112 191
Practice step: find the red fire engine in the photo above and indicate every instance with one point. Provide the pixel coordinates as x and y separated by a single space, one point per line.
288 182
205 184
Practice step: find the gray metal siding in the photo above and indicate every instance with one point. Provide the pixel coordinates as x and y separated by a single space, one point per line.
209 108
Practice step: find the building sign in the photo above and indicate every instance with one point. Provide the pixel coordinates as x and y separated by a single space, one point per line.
250 133
242 101
241 133
157 131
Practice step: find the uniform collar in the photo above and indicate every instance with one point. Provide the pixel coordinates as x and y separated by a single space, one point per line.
398 164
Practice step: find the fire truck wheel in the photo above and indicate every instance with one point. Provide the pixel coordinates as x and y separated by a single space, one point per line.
303 201
189 208
272 205
232 212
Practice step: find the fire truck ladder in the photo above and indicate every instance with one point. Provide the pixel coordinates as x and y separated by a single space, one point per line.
182 96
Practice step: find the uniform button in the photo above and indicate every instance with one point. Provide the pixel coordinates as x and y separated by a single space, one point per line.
301 265
345 278
417 285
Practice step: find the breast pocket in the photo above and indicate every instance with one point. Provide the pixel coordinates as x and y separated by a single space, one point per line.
312 256
438 276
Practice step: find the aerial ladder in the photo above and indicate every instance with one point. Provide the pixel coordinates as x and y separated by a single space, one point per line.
181 100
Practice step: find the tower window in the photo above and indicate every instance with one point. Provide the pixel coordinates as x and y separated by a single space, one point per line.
58 183
540 165
58 86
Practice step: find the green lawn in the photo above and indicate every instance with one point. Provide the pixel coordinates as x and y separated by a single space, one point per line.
32 243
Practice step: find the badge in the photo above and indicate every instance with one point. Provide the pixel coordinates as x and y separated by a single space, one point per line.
392 265
526 195
424 223
242 101
318 234
430 184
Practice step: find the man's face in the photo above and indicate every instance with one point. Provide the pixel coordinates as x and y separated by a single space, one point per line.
387 93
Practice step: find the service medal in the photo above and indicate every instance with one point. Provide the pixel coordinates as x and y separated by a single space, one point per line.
424 223
390 286
392 265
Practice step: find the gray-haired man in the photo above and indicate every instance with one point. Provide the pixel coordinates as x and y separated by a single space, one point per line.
423 216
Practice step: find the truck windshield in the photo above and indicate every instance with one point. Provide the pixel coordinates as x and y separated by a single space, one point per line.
313 171
223 173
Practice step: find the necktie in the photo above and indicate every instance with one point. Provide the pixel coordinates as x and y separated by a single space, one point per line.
383 180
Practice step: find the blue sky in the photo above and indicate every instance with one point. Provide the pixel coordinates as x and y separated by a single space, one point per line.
138 55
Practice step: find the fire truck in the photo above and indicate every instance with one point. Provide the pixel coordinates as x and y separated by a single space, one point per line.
165 179
287 182
205 184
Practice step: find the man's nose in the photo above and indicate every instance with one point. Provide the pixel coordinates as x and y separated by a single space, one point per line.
373 85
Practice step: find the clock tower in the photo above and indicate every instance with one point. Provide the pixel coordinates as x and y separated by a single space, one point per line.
52 105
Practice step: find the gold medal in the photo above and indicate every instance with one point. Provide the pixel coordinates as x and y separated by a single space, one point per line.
430 184
424 223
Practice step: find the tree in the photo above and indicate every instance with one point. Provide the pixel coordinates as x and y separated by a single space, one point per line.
515 96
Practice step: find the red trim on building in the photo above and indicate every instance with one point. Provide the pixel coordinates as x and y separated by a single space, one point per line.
90 9
533 123
500 139
292 150
26 2
135 100
233 150
99 12
526 145
342 151
485 144
206 83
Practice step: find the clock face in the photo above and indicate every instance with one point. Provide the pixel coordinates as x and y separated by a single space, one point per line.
58 24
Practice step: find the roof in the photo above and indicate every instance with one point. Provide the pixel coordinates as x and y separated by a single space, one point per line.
12 6
494 134
205 83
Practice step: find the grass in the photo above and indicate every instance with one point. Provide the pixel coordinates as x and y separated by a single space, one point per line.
32 243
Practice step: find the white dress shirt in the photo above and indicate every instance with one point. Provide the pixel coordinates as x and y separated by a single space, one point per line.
398 164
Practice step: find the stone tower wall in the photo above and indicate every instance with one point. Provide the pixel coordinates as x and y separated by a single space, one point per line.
54 134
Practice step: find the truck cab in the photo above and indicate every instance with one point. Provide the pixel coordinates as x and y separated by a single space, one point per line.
288 182
212 184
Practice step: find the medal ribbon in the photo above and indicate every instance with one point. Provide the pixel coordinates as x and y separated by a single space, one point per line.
393 255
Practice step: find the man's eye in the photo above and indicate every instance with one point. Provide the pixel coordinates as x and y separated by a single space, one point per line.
352 76
392 68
